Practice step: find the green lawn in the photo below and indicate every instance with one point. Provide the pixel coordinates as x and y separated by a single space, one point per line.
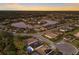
73 31
75 43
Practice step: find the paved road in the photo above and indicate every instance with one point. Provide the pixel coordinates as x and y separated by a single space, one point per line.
67 48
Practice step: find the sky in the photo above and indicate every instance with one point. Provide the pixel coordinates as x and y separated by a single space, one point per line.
40 6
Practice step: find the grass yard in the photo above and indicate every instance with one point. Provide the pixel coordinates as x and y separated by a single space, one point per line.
75 43
73 31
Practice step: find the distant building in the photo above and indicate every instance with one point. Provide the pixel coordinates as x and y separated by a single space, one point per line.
66 28
21 25
49 22
50 34
43 49
31 40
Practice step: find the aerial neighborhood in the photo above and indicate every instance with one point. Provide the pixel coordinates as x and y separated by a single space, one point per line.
39 33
